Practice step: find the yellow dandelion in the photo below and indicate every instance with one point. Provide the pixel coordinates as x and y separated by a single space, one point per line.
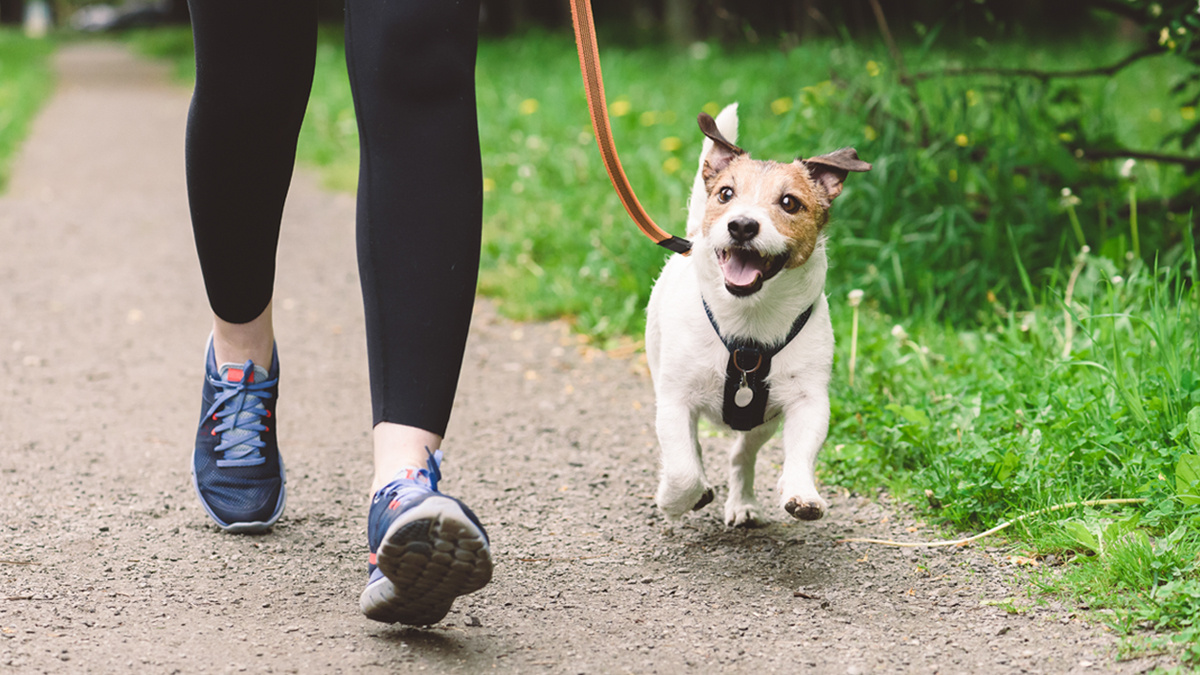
648 118
712 108
671 165
620 107
781 105
869 133
670 144
962 141
1188 112
873 68
528 106
488 185
953 175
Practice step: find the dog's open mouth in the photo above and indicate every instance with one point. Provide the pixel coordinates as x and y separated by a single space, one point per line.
745 269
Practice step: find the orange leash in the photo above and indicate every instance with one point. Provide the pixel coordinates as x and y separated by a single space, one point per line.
589 65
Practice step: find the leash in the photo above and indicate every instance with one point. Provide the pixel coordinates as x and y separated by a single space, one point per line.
589 66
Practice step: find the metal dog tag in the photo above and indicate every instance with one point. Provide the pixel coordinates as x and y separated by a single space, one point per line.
744 394
743 397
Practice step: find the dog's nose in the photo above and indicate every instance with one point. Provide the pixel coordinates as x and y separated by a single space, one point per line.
743 229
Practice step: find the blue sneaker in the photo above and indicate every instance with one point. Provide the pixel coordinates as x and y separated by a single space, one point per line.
426 550
236 468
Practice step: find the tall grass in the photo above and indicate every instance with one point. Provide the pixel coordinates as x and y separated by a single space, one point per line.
25 83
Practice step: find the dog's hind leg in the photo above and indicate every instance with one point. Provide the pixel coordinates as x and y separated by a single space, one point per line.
682 486
741 508
804 431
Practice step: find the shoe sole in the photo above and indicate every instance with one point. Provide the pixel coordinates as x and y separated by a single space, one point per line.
429 556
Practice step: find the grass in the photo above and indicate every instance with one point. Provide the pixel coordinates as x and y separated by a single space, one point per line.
1001 368
25 83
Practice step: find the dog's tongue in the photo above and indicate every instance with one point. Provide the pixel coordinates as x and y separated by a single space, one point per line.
743 268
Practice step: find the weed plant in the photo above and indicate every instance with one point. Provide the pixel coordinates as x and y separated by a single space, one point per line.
25 82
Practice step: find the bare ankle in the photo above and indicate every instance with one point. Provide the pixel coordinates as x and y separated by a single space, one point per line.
238 342
398 446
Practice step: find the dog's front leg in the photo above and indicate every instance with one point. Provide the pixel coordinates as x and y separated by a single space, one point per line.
682 486
804 431
741 508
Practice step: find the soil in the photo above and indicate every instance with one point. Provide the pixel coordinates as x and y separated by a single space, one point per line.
109 565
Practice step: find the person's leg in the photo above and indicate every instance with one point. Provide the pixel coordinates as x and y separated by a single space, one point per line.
254 68
254 65
419 213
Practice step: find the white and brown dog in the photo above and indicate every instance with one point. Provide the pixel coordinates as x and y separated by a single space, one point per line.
739 331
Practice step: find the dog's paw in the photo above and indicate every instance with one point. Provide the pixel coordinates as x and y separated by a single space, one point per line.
675 500
806 509
743 514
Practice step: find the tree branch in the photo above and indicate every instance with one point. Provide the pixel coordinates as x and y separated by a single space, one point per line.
898 57
1042 75
1189 163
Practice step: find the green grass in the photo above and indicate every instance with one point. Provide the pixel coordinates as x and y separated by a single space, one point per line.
1006 417
1008 387
25 83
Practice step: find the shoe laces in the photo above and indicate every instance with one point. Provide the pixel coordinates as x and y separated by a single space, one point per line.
239 410
415 480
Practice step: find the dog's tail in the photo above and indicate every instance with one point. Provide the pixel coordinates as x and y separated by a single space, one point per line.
727 124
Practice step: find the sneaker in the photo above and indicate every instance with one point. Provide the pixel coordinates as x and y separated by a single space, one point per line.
236 468
426 550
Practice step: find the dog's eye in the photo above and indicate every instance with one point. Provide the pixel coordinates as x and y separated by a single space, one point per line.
790 204
724 195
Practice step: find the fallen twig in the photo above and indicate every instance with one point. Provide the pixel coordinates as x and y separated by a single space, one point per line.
571 559
994 530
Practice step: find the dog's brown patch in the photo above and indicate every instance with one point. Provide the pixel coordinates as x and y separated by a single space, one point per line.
796 197
771 186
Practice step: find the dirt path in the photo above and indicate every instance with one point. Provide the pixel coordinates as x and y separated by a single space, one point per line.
108 565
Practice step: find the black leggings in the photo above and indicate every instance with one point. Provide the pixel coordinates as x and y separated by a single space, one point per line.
412 72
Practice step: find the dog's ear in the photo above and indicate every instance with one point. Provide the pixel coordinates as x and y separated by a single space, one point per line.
723 152
830 171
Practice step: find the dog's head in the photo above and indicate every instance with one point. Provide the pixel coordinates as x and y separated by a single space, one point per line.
762 217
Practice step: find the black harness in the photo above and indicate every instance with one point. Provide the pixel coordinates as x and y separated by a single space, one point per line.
746 388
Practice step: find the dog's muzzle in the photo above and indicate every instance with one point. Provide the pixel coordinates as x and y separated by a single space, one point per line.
745 269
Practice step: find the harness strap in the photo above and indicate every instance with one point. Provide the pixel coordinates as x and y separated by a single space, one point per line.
745 402
589 66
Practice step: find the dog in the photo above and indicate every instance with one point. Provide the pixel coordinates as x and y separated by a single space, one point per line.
739 331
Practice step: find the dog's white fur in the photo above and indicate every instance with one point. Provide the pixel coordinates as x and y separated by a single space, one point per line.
688 363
